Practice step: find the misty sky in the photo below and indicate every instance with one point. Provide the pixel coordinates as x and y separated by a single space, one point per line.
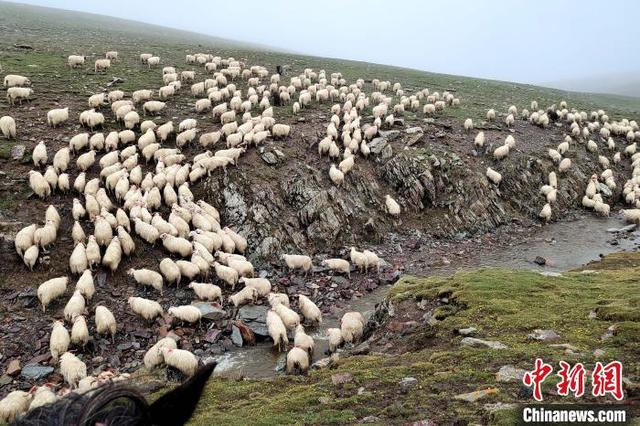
517 40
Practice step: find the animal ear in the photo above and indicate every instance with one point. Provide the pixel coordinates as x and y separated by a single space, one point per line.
175 407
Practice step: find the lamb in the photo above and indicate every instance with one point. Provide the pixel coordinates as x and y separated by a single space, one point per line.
246 295
303 341
113 255
262 285
297 261
85 285
206 291
186 313
297 361
57 116
147 309
338 265
79 331
289 317
545 213
105 321
51 290
335 339
352 327
30 257
280 131
72 369
147 277
8 127
59 340
154 357
78 260
501 152
277 330
180 359
494 176
309 309
13 405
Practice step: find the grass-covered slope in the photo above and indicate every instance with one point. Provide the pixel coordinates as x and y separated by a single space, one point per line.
503 305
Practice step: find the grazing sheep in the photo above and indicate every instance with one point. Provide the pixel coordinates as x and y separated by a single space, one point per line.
188 269
309 309
468 124
352 327
8 127
24 239
494 176
59 340
51 290
75 306
177 245
280 131
206 291
101 64
180 359
12 80
147 309
30 257
105 321
289 317
336 176
113 255
154 357
246 295
72 369
262 285
335 339
277 330
564 165
501 152
338 265
85 285
78 260
545 213
186 313
147 232
478 141
491 115
509 120
297 361
18 94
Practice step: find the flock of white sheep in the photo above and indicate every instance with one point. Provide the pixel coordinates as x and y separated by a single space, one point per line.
118 197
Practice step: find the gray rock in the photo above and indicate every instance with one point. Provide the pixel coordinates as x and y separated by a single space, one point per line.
340 379
413 130
5 380
236 337
210 312
270 158
236 207
17 152
390 135
370 419
629 228
35 371
469 331
491 408
321 363
474 342
508 373
380 146
604 189
539 334
407 383
255 317
398 121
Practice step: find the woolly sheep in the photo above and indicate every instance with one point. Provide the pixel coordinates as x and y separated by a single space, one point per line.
85 285
30 257
105 321
18 94
494 176
180 359
338 265
564 165
42 396
188 269
51 290
545 213
59 340
296 261
72 369
280 130
12 80
147 309
177 245
79 331
277 331
57 116
289 317
303 341
468 124
335 339
297 361
352 327
113 255
147 277
147 232
478 141
154 356
309 309
8 127
491 115
391 206
78 259
206 291
13 405
186 313
262 285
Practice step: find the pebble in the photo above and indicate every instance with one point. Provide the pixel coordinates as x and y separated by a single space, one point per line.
469 331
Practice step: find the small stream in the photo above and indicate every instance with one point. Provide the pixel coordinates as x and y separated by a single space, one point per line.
565 245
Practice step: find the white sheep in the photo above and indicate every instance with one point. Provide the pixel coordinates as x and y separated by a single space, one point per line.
501 152
30 257
335 339
12 80
105 321
391 206
246 295
85 285
147 309
79 331
206 291
180 359
494 176
154 357
277 330
51 290
262 285
57 116
545 213
59 340
78 260
303 341
297 261
43 395
13 405
18 94
289 317
297 361
147 277
75 306
352 327
186 313
72 369
113 255
309 310
491 115
338 265
280 131
8 127
564 165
